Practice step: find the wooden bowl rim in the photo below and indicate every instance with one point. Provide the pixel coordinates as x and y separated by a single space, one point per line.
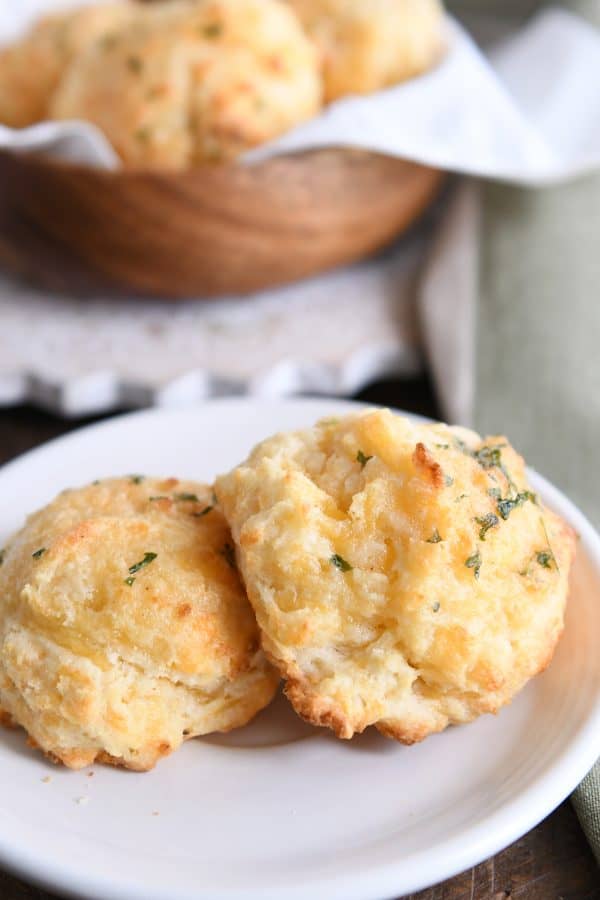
305 157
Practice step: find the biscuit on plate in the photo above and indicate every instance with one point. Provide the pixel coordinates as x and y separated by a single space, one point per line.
367 45
403 575
193 81
124 627
32 67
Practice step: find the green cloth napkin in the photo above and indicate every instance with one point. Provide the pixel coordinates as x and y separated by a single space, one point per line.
538 348
538 351
537 358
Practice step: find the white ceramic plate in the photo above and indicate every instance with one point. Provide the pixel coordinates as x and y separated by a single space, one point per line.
279 810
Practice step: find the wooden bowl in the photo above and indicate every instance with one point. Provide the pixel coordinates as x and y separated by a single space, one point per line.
207 232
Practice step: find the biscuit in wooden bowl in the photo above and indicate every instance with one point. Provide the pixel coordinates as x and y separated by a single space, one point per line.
31 68
194 81
403 575
367 45
124 627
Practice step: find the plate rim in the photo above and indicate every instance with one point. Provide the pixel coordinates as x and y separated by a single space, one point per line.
508 823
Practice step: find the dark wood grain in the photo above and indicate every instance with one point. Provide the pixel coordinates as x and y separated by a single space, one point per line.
211 231
552 862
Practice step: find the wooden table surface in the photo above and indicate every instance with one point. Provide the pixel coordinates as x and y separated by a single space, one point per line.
552 862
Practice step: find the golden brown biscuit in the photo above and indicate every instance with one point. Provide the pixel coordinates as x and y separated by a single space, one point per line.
31 69
124 627
191 81
403 575
367 45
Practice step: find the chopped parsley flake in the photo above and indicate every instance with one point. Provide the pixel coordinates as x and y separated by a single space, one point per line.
135 64
442 446
548 542
129 581
545 558
109 41
215 29
340 563
436 606
486 522
186 498
148 558
2 555
229 554
136 479
474 562
435 537
505 506
362 459
204 512
39 553
158 497
97 481
489 457
143 135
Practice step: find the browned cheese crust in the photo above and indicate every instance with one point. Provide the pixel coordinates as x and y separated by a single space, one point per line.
403 575
124 627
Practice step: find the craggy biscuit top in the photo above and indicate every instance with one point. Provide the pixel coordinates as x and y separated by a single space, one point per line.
124 625
402 574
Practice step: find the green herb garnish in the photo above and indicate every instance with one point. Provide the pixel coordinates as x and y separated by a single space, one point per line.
442 446
186 498
340 563
362 459
548 542
135 64
474 562
158 497
204 512
109 41
489 457
143 135
148 558
2 555
39 553
129 581
136 479
436 606
486 522
435 537
215 29
545 558
505 506
229 554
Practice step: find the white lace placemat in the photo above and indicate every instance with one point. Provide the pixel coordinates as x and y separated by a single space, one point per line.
330 334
